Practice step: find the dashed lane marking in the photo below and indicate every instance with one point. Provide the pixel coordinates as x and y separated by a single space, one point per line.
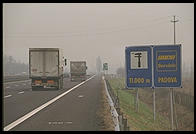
21 92
69 122
7 96
80 96
23 118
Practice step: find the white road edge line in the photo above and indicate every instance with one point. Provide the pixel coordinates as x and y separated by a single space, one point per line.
23 118
7 96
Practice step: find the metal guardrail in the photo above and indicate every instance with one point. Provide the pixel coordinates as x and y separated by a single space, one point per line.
121 124
112 108
15 78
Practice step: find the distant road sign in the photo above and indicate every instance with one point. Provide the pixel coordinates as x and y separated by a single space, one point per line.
138 66
167 65
105 66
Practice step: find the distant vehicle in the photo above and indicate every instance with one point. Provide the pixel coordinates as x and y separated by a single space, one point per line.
46 67
78 70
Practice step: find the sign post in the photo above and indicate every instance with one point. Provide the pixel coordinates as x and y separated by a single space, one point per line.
155 67
154 105
138 68
167 70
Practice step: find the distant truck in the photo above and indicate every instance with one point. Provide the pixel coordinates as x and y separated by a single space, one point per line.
78 70
46 67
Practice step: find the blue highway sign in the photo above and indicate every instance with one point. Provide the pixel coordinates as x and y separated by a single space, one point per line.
167 65
138 66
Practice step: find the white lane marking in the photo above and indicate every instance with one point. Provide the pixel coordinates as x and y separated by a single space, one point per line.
7 96
69 122
24 84
16 85
7 87
21 92
23 118
80 96
17 81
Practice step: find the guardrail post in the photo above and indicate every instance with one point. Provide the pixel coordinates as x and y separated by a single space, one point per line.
117 101
121 121
118 110
125 124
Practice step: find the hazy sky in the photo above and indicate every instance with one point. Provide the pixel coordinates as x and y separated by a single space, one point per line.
87 30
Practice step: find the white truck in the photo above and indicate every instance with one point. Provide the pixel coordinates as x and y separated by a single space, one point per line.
46 67
78 70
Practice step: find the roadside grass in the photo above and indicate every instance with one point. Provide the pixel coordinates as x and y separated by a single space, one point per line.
143 119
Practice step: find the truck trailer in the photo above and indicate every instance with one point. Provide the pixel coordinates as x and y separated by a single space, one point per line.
46 67
78 70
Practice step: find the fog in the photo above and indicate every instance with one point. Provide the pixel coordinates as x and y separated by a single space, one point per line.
87 30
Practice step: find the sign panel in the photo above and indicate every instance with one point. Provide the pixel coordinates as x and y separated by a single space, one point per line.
105 66
138 66
167 65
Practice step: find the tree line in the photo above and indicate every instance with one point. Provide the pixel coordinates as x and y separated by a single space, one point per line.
12 67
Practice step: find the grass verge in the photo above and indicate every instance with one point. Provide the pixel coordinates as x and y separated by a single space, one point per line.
143 119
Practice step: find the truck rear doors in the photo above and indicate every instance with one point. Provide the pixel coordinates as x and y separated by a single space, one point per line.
44 63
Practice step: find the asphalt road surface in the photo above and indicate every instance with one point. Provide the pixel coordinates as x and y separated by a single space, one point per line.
74 110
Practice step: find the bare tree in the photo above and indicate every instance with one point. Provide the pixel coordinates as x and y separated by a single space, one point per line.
121 71
11 67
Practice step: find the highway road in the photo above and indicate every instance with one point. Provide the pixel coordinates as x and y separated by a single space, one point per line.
71 109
